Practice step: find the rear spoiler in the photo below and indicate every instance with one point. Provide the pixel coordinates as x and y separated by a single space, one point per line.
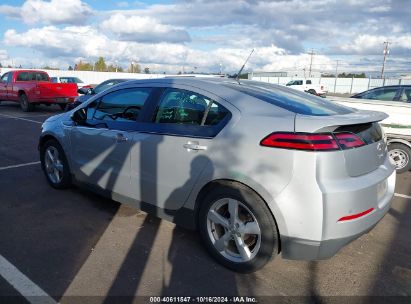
312 124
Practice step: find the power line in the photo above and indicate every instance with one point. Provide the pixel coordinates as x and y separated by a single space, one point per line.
386 52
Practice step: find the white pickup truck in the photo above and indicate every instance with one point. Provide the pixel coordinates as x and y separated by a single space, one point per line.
397 126
306 85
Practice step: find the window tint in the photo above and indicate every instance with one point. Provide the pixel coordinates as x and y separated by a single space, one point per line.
215 114
23 76
122 105
289 99
185 107
386 94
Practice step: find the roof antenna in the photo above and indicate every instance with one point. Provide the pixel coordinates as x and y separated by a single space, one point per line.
239 73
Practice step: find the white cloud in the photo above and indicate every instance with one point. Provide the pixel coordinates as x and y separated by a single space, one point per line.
10 11
87 43
49 12
373 44
205 33
143 29
3 55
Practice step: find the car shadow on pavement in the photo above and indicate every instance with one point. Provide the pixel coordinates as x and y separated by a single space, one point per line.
394 277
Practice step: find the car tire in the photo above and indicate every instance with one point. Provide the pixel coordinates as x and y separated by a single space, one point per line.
312 91
226 239
54 164
25 105
400 155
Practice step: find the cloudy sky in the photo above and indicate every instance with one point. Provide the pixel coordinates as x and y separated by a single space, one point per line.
204 35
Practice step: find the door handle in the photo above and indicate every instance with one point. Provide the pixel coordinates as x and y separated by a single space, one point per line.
121 138
194 145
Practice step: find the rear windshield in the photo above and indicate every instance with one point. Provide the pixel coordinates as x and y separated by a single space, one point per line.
290 99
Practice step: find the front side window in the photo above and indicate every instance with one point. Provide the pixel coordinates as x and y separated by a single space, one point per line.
185 107
122 105
5 77
308 82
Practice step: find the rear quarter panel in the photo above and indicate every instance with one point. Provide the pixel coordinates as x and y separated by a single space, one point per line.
236 155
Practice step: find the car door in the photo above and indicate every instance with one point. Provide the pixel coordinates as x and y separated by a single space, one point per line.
100 148
3 86
170 153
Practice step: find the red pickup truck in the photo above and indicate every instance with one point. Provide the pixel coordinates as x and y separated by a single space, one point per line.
30 87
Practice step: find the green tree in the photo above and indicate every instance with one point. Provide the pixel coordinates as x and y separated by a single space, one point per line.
147 70
83 66
100 65
70 68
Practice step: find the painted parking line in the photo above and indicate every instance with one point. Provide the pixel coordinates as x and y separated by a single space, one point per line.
28 289
20 118
19 165
402 195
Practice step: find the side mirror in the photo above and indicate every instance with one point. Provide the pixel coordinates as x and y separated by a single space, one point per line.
79 116
83 91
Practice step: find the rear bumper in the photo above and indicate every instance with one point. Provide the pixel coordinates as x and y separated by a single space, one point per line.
58 100
320 223
300 249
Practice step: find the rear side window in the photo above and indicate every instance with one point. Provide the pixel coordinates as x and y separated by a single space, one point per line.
38 76
23 76
308 82
122 105
185 107
291 100
406 95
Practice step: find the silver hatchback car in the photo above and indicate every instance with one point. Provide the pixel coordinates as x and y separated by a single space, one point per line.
257 168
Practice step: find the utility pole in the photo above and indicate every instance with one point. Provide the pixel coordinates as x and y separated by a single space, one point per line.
386 52
336 76
311 61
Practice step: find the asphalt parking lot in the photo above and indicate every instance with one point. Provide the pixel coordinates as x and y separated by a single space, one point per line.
74 243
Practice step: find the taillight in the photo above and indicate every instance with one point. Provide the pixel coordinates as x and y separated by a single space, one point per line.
349 140
301 141
312 142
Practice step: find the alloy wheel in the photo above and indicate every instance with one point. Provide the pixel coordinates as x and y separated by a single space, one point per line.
233 230
53 165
